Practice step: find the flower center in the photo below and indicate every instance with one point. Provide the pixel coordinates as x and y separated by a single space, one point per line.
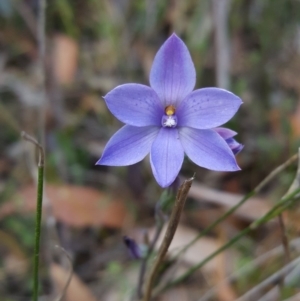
169 121
170 110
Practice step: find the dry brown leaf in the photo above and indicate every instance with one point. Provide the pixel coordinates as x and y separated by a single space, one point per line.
64 58
73 205
77 290
251 210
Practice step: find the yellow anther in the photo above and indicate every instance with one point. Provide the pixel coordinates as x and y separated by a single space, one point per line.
170 110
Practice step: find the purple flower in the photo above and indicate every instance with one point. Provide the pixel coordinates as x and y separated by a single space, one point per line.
169 119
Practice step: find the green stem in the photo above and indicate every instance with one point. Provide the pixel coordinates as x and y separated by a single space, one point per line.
277 209
38 218
38 221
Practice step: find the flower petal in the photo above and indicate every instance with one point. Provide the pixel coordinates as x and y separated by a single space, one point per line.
207 149
173 74
235 146
135 104
207 108
166 156
129 145
225 133
228 135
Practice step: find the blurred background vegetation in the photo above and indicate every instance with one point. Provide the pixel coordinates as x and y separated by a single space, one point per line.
250 47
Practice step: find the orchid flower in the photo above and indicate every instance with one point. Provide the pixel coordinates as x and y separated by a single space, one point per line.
169 119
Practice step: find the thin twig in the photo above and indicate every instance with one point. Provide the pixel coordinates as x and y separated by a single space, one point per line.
39 203
62 294
171 229
29 138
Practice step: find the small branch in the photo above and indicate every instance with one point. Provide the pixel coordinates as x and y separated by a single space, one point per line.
62 294
171 229
38 220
